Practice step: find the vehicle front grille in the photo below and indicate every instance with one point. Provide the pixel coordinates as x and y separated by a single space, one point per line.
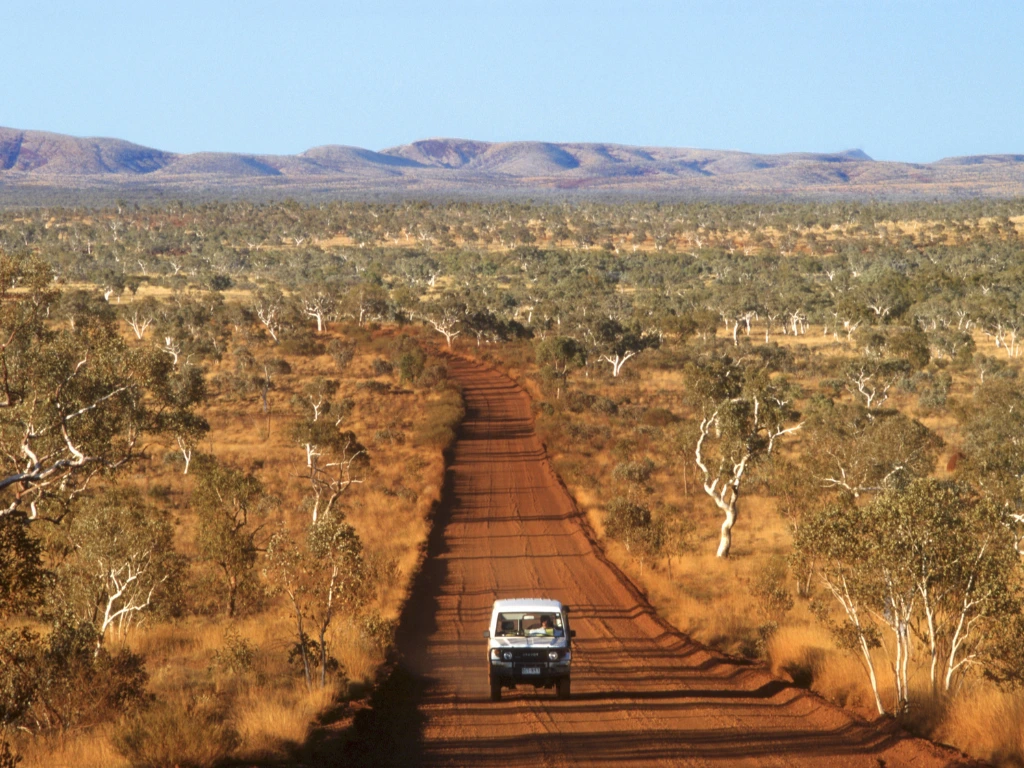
530 654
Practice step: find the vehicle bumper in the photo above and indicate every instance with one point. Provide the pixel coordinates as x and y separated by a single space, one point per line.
513 673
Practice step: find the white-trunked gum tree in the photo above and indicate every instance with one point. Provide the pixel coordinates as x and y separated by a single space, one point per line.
744 414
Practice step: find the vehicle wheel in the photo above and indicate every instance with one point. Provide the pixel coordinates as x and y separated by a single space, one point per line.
495 689
563 688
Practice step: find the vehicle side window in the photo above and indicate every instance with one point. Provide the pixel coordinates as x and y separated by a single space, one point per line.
506 626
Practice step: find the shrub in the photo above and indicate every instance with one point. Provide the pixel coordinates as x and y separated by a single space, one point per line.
438 428
379 631
577 401
381 367
434 375
832 387
312 657
341 353
65 681
237 656
301 345
580 432
374 387
774 600
937 391
636 472
632 524
408 358
388 435
658 417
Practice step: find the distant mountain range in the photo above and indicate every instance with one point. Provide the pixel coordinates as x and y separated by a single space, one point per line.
42 168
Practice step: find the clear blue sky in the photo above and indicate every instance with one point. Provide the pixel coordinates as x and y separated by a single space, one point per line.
900 79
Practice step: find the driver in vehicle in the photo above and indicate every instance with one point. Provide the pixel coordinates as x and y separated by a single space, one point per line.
546 628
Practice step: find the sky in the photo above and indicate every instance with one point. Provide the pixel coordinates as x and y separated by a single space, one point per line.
899 79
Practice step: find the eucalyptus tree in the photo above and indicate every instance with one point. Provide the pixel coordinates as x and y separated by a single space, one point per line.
74 399
930 560
269 306
959 554
318 302
992 424
320 575
562 355
366 302
853 450
178 394
870 378
140 315
232 507
333 455
121 561
745 413
190 327
447 316
616 344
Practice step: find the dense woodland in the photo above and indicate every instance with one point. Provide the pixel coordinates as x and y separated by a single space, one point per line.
817 407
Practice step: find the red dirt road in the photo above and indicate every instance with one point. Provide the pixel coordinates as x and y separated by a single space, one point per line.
642 694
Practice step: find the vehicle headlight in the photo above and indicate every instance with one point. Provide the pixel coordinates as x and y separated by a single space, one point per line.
507 655
553 655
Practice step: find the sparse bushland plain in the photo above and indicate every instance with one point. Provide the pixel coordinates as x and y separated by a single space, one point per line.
214 659
261 386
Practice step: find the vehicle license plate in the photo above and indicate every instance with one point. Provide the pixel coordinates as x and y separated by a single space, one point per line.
531 670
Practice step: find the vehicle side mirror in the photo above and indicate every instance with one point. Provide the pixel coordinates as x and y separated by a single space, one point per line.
487 634
572 633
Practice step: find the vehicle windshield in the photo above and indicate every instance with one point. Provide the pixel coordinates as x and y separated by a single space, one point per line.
530 624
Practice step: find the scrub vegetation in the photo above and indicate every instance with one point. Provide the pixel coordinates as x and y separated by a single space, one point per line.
798 427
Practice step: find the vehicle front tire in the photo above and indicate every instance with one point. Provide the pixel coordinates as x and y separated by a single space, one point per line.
495 689
563 688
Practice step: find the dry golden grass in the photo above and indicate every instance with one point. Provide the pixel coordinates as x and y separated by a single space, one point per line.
267 720
77 749
987 723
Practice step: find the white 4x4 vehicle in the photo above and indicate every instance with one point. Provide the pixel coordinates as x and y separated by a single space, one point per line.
529 641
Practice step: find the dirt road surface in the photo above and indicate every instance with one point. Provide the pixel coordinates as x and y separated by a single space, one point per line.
643 694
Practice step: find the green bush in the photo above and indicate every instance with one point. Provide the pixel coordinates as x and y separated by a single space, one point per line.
774 600
577 401
635 472
632 524
301 345
237 656
381 367
65 681
408 358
